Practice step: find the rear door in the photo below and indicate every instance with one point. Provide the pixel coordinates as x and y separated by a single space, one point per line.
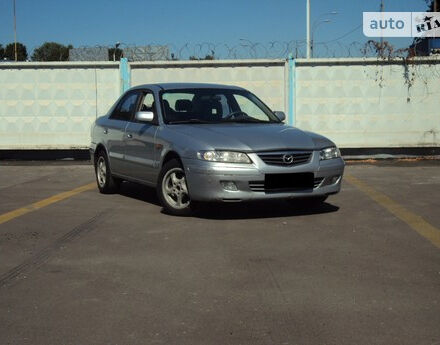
140 160
115 130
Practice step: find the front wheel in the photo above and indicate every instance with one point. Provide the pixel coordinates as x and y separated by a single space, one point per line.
173 190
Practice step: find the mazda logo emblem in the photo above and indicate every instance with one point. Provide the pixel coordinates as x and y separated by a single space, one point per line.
288 159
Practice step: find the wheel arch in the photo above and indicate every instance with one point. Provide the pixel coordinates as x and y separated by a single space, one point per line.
169 156
100 147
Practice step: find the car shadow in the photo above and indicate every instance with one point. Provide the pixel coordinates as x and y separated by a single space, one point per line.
139 192
262 209
242 210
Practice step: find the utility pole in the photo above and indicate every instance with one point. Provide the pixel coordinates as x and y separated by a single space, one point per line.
309 48
381 35
117 44
15 35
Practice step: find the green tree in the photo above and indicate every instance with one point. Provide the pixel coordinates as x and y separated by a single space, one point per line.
115 53
51 51
21 52
2 52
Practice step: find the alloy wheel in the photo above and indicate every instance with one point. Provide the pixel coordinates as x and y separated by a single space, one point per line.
101 171
175 190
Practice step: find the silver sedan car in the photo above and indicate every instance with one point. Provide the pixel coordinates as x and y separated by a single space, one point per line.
207 142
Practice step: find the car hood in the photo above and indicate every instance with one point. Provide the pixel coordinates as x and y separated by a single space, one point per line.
251 137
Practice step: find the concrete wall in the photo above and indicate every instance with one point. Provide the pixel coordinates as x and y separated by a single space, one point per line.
360 103
52 105
265 78
355 102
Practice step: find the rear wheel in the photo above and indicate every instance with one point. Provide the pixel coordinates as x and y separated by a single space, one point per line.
107 184
172 189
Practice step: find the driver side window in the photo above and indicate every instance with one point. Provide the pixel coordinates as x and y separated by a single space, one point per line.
147 102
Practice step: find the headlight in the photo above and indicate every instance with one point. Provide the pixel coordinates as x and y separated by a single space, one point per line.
329 153
224 156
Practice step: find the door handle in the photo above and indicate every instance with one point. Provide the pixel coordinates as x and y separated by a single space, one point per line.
129 136
105 131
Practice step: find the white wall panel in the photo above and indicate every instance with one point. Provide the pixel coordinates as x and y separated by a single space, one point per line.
364 103
264 78
355 102
47 107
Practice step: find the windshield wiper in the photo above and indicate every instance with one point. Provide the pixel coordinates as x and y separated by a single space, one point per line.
246 120
188 121
235 120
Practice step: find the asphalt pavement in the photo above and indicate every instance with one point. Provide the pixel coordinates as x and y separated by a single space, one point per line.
79 267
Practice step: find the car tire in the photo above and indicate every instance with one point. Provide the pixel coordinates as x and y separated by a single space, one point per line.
107 183
172 189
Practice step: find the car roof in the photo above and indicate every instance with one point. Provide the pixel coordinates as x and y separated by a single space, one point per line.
174 86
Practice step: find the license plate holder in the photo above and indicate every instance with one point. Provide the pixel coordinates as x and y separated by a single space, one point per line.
291 181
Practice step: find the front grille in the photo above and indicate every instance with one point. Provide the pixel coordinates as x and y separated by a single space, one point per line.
279 183
256 186
285 158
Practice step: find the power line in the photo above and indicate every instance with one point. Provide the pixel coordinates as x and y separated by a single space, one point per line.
344 35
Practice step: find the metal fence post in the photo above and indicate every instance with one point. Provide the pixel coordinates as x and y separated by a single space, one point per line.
124 71
292 91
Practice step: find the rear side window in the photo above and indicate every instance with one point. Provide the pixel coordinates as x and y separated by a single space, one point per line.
125 109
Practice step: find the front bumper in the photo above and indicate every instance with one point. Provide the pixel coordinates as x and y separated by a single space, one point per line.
205 179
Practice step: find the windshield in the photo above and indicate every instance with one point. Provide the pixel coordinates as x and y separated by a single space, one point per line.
214 106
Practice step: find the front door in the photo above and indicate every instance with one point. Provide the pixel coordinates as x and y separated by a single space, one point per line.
115 131
139 143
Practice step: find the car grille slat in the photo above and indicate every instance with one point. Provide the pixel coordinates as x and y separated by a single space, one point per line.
257 186
285 158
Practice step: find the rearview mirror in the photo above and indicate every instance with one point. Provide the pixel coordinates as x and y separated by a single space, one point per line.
280 114
144 116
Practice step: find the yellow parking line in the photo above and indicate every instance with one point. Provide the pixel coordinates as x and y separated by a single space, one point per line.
43 203
416 222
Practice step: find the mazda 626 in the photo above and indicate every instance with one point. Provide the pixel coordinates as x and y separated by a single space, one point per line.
205 142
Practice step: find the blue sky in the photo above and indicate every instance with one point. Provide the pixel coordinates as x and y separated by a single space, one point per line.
141 22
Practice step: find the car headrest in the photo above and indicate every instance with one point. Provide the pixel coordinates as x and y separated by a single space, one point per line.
210 107
166 104
183 105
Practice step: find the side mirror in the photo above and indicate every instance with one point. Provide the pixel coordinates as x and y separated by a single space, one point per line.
144 116
280 114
